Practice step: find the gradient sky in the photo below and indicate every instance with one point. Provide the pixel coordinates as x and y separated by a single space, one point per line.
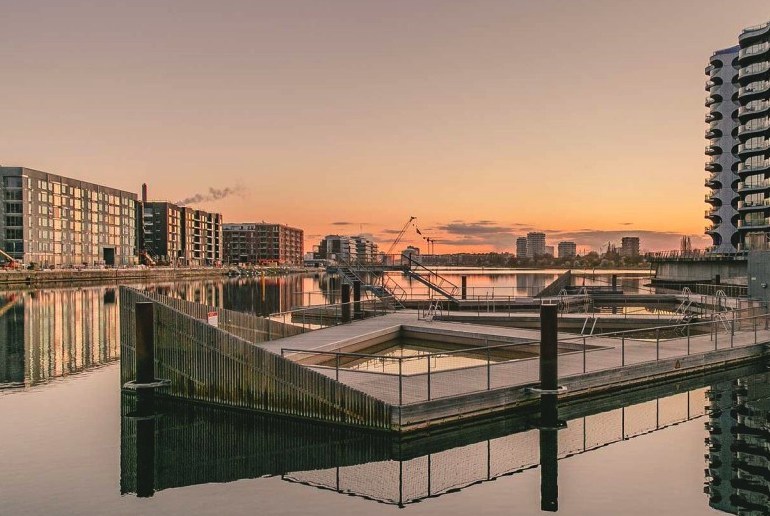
484 119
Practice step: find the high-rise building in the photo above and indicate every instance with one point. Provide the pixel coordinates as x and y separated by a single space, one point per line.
567 249
263 243
722 163
521 247
53 221
754 136
629 246
739 143
535 244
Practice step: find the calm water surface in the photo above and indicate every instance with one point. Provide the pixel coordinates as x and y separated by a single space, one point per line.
70 444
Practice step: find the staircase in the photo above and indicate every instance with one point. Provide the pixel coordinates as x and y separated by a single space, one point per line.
380 284
432 279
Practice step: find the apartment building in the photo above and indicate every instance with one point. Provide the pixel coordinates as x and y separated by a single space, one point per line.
55 221
263 243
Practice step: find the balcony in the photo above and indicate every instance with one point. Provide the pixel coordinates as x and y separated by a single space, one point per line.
712 228
711 198
713 133
757 126
713 150
713 213
753 72
713 166
754 108
753 148
757 185
713 99
753 205
754 223
753 90
753 52
752 33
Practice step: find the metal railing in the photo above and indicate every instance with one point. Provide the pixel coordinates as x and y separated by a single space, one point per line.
401 376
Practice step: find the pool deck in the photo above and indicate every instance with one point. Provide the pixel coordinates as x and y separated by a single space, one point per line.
590 364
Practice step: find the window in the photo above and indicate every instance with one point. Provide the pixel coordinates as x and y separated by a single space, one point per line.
13 220
12 181
13 208
14 234
13 195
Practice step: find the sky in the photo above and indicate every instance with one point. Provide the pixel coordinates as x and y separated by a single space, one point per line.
484 119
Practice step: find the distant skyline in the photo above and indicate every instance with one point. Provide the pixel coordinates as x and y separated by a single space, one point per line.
484 119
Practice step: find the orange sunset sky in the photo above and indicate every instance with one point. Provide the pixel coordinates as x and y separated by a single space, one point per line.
484 119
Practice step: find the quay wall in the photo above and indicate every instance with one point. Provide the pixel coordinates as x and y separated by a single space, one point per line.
13 278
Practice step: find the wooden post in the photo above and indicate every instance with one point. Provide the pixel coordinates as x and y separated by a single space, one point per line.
145 342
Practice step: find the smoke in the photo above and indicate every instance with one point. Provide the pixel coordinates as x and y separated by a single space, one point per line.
214 194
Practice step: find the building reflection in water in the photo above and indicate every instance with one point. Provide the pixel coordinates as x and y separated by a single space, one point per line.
377 466
738 471
51 333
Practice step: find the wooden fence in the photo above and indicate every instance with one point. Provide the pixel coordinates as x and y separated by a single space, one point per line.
209 364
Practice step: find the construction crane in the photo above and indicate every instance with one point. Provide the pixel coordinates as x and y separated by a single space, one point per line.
400 236
12 263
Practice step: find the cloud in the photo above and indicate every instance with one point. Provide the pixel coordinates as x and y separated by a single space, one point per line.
342 223
626 223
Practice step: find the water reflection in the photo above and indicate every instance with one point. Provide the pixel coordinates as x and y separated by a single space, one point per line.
739 446
392 470
46 334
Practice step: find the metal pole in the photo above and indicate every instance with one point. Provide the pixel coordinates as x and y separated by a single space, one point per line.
345 302
549 324
400 383
489 366
145 342
657 344
428 377
584 353
688 339
337 366
357 300
623 351
463 287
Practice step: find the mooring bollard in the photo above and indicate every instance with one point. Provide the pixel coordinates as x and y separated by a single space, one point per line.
463 287
549 452
345 301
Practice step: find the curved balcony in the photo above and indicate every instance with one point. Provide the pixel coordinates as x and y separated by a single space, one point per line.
710 69
753 53
712 182
713 133
714 98
754 109
763 222
713 215
751 34
756 127
754 186
713 83
753 168
746 150
712 228
753 91
712 117
753 205
713 166
754 72
711 198
713 150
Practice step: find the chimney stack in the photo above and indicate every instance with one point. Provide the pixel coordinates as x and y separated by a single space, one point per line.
144 193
